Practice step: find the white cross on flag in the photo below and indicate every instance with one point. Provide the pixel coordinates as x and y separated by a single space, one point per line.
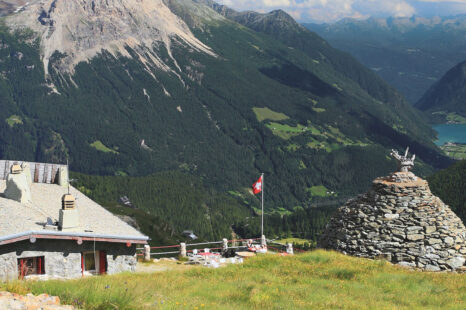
257 187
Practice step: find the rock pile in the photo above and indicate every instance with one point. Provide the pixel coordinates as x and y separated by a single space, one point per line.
399 220
12 301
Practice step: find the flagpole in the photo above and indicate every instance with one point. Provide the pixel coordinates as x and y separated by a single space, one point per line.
262 220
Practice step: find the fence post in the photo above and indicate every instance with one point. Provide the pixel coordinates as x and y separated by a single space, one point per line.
224 245
146 252
289 248
263 241
183 249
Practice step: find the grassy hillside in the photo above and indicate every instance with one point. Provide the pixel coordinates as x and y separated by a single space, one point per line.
315 280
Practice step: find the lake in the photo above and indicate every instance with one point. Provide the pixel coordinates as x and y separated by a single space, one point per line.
450 133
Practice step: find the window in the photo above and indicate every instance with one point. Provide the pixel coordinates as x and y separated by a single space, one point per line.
31 266
94 262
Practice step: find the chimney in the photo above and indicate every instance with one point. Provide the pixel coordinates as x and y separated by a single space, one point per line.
18 187
16 168
69 216
63 176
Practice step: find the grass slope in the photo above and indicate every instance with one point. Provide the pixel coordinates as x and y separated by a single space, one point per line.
315 280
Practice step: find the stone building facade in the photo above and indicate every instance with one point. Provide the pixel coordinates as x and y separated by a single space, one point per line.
64 258
58 232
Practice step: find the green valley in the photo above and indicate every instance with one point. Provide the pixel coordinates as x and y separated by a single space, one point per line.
243 95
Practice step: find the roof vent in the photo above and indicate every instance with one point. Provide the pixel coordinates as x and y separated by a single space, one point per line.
16 168
68 216
68 202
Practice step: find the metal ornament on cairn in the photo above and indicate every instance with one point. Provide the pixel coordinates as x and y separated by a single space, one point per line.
405 164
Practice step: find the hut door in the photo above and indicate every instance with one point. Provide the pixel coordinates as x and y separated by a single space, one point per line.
102 262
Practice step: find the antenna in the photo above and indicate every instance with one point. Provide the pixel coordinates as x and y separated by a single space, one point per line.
68 175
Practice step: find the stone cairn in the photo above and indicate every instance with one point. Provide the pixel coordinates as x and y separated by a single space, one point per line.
399 220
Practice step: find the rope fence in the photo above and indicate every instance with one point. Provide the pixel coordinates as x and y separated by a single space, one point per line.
226 244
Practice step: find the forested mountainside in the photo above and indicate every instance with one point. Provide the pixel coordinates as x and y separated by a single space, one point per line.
450 186
167 203
175 86
445 101
410 54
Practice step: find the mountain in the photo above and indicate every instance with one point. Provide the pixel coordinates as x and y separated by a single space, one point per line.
281 26
409 53
450 185
447 98
135 88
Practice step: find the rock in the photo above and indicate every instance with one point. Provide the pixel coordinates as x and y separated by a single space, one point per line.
414 228
11 301
415 237
109 26
429 229
431 268
433 241
391 216
449 240
456 262
432 256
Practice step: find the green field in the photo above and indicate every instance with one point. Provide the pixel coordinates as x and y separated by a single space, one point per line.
99 146
455 150
286 131
314 280
320 191
451 118
14 120
318 110
267 114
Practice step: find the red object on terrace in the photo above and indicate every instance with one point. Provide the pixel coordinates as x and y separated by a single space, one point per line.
208 254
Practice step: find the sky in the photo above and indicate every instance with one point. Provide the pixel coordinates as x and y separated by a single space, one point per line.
321 11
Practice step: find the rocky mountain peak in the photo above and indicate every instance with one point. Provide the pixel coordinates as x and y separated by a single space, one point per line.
81 29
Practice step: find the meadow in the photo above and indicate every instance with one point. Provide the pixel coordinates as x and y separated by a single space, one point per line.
314 280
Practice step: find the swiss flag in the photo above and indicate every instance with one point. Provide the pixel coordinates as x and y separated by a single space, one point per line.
257 187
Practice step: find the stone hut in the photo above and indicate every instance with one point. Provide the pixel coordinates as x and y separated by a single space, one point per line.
401 221
50 229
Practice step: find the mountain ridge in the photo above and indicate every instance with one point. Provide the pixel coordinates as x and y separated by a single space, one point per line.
446 96
409 53
205 117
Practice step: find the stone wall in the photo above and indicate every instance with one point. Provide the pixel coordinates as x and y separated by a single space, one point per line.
399 220
62 258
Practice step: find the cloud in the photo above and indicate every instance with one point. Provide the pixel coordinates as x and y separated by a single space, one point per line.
332 10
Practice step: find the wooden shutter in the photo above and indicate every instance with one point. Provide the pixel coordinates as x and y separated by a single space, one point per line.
102 262
82 264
